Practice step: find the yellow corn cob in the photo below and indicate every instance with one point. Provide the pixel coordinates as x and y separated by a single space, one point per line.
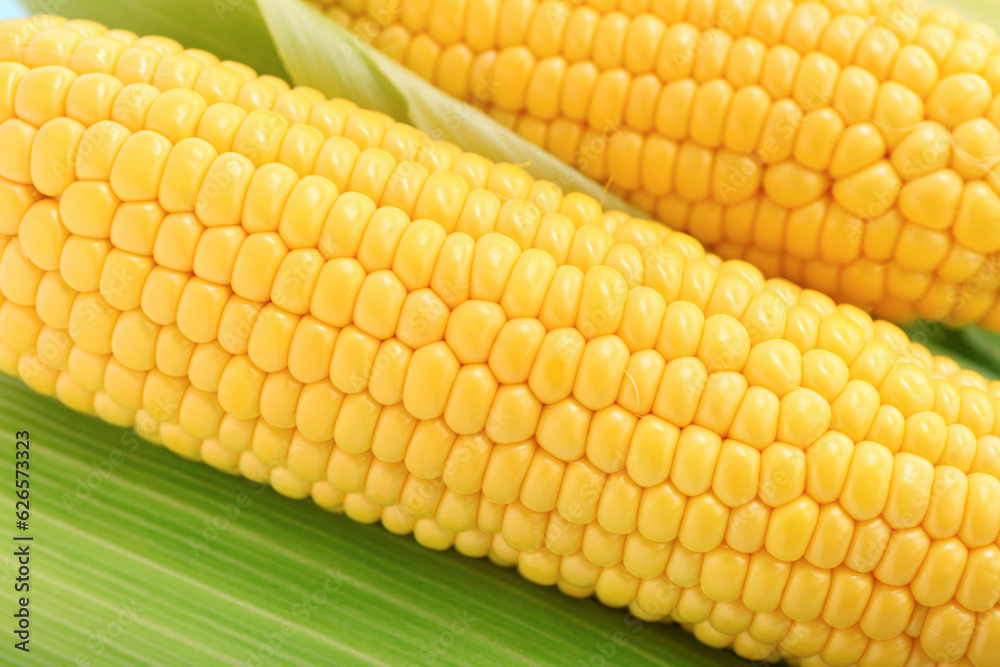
847 145
415 335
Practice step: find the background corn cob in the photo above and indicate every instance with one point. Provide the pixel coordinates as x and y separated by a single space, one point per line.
596 462
847 146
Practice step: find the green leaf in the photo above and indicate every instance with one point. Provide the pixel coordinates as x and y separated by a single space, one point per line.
231 29
318 52
139 555
983 347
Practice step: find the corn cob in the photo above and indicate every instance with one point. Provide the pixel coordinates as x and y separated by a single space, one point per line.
848 146
316 297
